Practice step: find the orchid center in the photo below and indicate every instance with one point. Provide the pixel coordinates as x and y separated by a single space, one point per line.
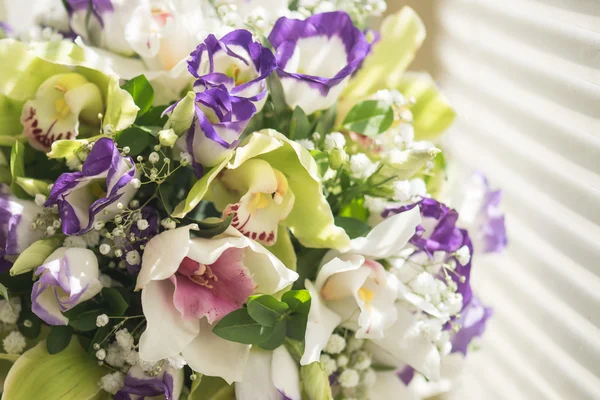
60 105
214 290
265 199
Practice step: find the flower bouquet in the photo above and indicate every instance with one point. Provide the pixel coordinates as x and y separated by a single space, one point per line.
231 200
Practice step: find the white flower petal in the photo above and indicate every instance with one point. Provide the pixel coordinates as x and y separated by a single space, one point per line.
390 386
213 356
285 374
257 382
321 324
163 254
82 273
167 332
403 347
389 236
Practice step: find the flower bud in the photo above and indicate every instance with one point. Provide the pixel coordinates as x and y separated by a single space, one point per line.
167 137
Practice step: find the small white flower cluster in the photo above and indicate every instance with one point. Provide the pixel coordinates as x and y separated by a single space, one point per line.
112 383
14 343
10 310
350 363
359 10
47 221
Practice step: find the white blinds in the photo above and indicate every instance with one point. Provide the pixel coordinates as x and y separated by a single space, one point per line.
524 76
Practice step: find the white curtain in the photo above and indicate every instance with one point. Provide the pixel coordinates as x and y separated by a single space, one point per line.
524 76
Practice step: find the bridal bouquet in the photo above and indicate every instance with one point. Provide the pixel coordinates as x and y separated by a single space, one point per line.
231 199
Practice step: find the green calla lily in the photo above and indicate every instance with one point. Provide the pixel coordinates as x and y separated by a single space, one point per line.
68 375
270 181
48 92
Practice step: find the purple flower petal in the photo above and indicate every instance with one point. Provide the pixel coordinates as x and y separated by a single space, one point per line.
473 319
76 193
138 386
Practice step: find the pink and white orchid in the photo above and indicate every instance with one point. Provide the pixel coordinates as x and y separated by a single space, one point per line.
189 284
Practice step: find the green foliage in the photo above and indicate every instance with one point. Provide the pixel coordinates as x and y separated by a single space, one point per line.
211 388
266 321
353 227
33 186
369 118
17 169
300 127
58 339
210 229
137 138
36 254
116 302
142 92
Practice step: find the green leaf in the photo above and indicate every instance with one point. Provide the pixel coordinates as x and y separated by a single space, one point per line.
209 229
69 375
369 118
211 388
33 330
239 327
353 227
315 382
308 264
33 186
432 113
296 326
266 310
276 336
117 304
297 300
36 254
142 92
277 95
299 125
58 339
17 168
136 138
4 292
86 321
153 117
326 121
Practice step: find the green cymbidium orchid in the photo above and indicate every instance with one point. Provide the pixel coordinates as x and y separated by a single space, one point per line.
48 94
269 182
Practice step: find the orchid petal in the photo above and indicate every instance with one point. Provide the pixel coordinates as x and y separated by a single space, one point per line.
321 324
167 332
257 382
285 374
389 236
389 384
213 356
158 264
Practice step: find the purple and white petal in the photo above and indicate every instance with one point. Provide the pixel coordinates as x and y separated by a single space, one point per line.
94 193
68 277
235 62
473 319
167 383
315 57
220 119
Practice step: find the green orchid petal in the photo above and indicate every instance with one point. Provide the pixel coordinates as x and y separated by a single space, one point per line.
68 375
431 112
315 382
401 36
283 249
310 220
25 68
57 108
182 116
407 165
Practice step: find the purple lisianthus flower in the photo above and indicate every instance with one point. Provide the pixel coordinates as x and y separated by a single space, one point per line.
220 120
139 386
481 212
473 319
236 62
93 193
316 56
16 235
439 232
67 278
